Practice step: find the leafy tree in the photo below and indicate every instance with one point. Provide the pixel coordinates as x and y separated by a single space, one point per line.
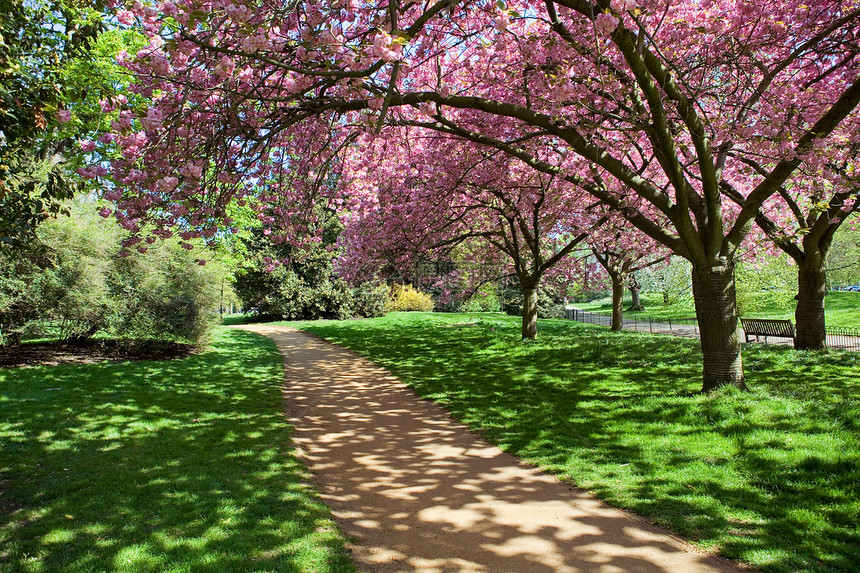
456 196
843 261
20 290
45 47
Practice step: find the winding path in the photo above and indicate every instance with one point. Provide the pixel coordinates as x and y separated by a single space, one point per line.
418 492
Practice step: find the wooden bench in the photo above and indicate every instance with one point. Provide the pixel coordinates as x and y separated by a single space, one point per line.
767 327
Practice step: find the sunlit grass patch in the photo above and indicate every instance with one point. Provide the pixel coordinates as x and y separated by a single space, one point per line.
184 465
770 476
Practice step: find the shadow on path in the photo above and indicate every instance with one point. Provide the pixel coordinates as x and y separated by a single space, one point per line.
418 492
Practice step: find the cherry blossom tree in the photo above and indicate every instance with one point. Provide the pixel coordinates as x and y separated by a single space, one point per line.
801 220
654 108
621 252
434 193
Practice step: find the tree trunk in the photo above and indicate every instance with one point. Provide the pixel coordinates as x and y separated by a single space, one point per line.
717 315
635 304
809 314
530 300
617 302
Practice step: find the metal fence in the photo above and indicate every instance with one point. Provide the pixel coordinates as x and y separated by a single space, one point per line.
842 337
837 337
674 326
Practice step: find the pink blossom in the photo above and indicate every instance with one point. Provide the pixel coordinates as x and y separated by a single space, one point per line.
225 67
86 172
502 22
87 145
621 6
125 17
606 23
64 116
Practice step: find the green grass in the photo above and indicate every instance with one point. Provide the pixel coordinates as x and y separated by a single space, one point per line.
182 465
841 308
770 477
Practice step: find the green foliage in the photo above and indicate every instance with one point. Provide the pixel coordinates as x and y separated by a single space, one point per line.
485 299
21 287
163 294
408 298
550 300
767 286
42 43
843 260
182 465
768 476
368 300
287 282
298 289
673 282
79 286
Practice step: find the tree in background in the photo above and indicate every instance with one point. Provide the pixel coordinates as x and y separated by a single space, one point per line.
843 262
621 252
801 220
284 281
441 193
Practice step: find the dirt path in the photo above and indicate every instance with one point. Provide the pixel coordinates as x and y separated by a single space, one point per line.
417 492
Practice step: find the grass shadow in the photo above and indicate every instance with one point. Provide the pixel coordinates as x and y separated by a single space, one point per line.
768 476
158 466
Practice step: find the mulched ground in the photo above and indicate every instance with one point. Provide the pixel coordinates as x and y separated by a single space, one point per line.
90 351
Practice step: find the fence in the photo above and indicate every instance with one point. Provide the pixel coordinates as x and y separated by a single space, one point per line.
675 326
837 337
843 337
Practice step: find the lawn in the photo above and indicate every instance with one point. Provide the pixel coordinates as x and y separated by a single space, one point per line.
770 477
182 465
841 309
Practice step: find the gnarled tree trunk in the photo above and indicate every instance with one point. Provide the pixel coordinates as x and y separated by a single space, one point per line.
809 314
635 303
717 315
530 311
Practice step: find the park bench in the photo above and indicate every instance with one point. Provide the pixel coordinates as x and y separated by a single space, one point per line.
767 327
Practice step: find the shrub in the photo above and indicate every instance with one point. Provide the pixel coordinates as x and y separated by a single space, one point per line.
283 293
76 285
407 298
369 300
484 299
163 295
550 303
20 300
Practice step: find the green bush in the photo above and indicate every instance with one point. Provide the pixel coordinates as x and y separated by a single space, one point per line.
408 298
369 300
550 303
283 293
20 292
484 299
81 286
163 295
